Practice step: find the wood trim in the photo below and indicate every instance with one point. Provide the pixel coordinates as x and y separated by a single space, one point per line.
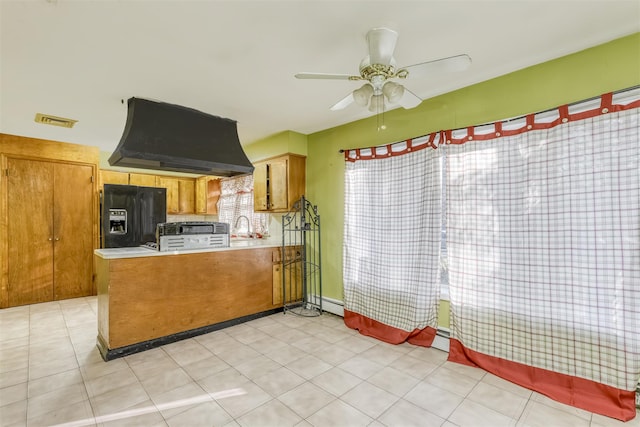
4 242
278 157
47 149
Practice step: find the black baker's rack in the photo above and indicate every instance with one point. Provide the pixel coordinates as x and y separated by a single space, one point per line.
301 272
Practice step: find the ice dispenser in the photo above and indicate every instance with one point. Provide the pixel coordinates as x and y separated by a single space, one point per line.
117 221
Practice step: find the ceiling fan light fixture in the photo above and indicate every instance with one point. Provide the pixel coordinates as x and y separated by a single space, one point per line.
362 95
377 104
393 91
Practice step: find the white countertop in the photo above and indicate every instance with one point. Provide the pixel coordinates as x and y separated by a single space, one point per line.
138 252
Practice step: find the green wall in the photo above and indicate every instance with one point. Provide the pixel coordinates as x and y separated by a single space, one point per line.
280 143
605 68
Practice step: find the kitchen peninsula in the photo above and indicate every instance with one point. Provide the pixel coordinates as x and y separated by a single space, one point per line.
149 298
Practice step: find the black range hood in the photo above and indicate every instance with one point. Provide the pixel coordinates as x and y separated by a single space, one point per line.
169 137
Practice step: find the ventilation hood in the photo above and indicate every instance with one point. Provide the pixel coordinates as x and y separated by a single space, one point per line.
169 137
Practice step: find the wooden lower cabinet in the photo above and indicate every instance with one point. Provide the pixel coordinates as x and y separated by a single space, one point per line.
146 298
292 275
50 230
287 278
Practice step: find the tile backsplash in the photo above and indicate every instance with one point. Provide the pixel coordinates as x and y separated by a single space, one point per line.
191 217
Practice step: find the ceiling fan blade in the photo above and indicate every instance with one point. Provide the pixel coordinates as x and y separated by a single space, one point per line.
451 64
343 103
382 43
323 76
409 99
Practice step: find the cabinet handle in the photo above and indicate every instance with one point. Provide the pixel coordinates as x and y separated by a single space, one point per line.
50 238
57 238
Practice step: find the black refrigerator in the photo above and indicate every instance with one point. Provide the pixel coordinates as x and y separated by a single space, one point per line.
130 214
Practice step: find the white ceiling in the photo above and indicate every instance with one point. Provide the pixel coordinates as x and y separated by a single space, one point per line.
236 59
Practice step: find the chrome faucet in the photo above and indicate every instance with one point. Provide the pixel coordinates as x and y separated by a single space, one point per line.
248 225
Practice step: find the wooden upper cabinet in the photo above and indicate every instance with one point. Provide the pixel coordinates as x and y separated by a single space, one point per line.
180 194
113 177
260 187
207 195
187 196
124 178
278 183
214 190
142 179
173 193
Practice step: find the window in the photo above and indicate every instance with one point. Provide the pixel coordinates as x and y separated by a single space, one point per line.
236 204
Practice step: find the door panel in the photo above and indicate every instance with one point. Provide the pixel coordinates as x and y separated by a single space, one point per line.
30 231
173 193
278 185
187 196
260 187
73 230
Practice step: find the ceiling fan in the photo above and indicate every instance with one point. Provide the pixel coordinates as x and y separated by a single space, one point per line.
378 68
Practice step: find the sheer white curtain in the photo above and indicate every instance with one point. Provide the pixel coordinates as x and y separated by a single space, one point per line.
236 200
391 241
544 253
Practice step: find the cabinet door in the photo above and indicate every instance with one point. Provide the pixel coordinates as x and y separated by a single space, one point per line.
296 170
213 195
277 284
73 241
143 180
207 195
260 187
201 195
113 177
173 193
278 190
30 231
293 281
187 196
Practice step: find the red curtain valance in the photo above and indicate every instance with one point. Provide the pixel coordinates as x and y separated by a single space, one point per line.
607 103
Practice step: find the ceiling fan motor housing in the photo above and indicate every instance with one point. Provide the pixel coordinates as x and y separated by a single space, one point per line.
379 67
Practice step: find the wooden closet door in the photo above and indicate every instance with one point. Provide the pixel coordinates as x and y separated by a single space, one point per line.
73 231
30 231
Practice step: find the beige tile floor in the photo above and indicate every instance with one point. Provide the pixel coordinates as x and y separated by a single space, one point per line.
280 370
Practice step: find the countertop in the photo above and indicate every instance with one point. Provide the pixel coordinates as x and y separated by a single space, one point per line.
139 252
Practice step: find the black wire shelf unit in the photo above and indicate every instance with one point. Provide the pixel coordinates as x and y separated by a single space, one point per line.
301 260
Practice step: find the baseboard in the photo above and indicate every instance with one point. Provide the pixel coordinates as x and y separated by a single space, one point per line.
114 353
333 306
441 341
